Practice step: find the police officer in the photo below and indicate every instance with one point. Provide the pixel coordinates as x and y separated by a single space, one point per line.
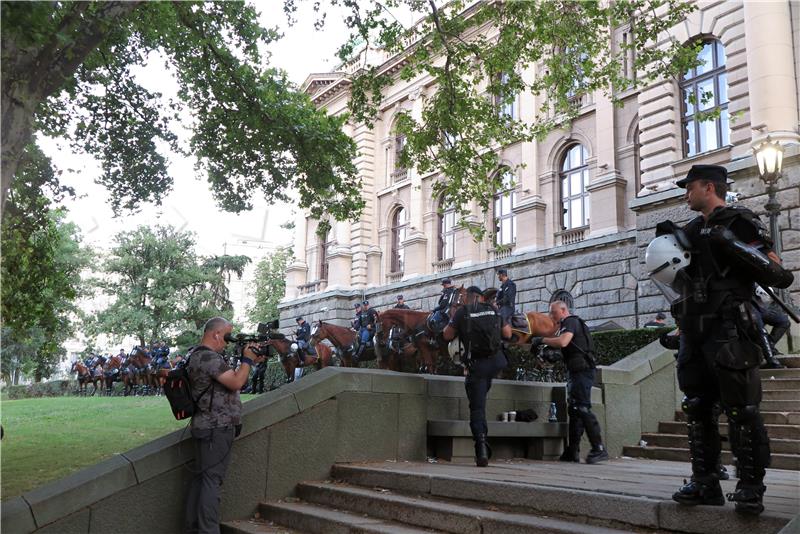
303 336
771 314
445 300
577 348
480 328
356 322
367 319
401 303
727 251
506 296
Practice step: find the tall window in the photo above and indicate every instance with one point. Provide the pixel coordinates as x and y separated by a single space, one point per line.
704 89
574 180
399 172
323 255
399 228
637 160
447 233
504 219
505 108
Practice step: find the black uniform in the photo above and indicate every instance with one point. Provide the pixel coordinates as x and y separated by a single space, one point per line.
402 306
580 364
445 299
506 299
478 327
303 336
718 360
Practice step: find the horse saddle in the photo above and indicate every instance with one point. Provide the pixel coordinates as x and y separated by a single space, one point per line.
520 323
436 321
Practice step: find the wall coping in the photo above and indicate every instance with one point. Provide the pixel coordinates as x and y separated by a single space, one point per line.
637 366
60 498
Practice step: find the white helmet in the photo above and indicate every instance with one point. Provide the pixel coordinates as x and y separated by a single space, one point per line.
294 347
664 258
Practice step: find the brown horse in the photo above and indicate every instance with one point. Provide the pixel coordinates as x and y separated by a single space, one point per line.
291 361
85 377
541 325
139 364
343 340
112 372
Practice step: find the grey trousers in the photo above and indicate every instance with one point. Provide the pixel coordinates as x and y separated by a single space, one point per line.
212 450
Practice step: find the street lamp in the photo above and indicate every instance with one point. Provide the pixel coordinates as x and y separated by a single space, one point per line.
769 155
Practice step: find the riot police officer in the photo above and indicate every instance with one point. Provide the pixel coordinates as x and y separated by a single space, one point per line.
480 328
707 270
506 296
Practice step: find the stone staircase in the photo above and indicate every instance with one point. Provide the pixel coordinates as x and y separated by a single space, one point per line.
515 496
780 408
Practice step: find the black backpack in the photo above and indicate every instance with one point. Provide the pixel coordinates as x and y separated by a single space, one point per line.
483 330
178 390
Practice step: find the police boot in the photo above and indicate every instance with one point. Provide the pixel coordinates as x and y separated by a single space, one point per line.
481 451
598 452
703 488
359 351
775 336
750 445
770 361
572 451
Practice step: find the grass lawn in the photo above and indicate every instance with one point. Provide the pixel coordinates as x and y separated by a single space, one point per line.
49 438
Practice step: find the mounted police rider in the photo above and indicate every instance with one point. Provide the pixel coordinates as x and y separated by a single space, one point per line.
303 336
356 322
401 303
366 321
771 314
439 318
707 270
506 296
160 355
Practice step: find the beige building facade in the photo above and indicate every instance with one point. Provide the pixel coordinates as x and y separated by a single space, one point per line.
584 201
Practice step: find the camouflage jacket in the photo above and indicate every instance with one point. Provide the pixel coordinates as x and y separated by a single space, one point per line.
218 406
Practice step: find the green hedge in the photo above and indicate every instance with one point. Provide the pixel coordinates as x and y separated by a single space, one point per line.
53 388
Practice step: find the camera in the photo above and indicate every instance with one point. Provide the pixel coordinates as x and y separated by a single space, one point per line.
549 354
263 334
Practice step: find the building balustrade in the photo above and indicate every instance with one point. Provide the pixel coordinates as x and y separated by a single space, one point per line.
391 278
443 265
500 253
312 287
399 175
572 235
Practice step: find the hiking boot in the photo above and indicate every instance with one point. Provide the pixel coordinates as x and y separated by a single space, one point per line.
694 492
599 454
748 500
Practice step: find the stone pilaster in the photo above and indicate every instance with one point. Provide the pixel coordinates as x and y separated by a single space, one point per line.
530 213
608 204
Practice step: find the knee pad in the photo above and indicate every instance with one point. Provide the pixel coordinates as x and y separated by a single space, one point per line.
572 411
697 408
742 415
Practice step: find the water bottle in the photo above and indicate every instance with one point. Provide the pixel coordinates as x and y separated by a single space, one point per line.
552 415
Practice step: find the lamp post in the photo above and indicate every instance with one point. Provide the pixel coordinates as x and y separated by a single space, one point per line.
769 155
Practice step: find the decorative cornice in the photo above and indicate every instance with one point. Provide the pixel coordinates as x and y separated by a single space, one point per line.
533 202
606 181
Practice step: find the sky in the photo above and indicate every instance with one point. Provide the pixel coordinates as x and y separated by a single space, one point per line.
190 206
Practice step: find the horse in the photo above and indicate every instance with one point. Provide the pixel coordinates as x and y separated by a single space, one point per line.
138 364
85 377
343 340
291 361
408 333
157 375
112 372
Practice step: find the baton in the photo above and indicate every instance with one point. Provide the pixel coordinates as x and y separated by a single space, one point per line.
780 303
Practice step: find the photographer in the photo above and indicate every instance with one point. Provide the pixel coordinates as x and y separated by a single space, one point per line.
575 342
216 421
479 328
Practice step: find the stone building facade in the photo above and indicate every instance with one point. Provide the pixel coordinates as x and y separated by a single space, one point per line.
585 203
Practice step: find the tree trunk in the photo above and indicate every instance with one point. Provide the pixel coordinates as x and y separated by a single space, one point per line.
38 73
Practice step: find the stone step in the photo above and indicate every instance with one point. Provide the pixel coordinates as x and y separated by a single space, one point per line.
427 512
770 418
791 361
774 431
776 445
782 394
254 526
780 405
780 383
789 372
315 518
676 454
626 494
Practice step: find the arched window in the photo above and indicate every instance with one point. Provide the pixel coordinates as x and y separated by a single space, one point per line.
505 221
704 89
323 255
574 180
564 296
447 232
399 228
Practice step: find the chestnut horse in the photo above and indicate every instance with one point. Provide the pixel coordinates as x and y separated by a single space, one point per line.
85 376
343 340
290 359
112 372
140 360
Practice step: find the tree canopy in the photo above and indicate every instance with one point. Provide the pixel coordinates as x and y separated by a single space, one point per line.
67 71
41 268
269 286
160 287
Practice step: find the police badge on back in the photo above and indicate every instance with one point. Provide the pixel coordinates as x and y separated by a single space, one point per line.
708 270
